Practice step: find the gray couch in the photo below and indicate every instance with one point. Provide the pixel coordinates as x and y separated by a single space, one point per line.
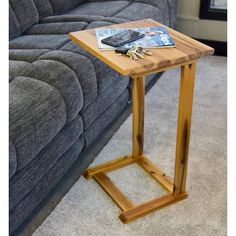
61 98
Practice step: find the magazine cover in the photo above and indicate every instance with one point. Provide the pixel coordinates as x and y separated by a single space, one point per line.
155 37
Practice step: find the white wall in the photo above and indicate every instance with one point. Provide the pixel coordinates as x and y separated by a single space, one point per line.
188 22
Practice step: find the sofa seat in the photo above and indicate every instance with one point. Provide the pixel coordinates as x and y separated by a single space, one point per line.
31 201
27 178
44 96
51 42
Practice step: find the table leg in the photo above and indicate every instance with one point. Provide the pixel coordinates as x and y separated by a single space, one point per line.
138 93
131 211
184 125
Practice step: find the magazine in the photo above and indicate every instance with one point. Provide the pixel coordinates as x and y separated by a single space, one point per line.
155 37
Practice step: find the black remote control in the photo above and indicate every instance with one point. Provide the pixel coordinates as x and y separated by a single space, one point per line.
121 50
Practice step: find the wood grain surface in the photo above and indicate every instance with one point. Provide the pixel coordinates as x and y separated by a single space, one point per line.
150 206
110 188
186 49
184 125
110 166
165 181
138 94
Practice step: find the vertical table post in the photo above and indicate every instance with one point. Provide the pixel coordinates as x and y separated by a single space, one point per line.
184 125
138 93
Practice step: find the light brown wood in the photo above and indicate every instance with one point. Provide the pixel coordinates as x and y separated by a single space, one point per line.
118 197
184 55
150 206
138 94
156 70
183 128
109 166
163 58
156 173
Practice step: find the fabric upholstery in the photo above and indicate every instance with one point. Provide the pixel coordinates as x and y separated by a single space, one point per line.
14 25
29 55
102 8
26 206
15 67
27 178
31 114
61 97
105 118
12 159
137 11
63 79
26 13
34 119
71 18
60 6
56 28
105 22
104 73
172 12
82 67
161 5
103 101
44 8
38 42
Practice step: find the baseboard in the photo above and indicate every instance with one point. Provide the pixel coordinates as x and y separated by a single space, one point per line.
69 179
220 47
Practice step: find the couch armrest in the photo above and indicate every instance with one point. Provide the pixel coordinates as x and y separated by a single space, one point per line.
163 5
173 12
170 5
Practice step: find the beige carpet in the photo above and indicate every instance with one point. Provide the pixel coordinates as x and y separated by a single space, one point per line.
87 210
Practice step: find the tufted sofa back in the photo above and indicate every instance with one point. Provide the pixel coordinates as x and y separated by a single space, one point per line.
44 8
62 6
25 13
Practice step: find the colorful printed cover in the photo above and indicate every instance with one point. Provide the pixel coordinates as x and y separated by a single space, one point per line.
155 37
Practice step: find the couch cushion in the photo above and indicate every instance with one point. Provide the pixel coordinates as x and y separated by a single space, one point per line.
56 28
44 97
82 67
12 159
62 6
71 18
44 8
106 118
104 8
26 13
15 67
29 203
72 63
28 177
104 100
34 119
29 55
106 21
14 25
38 42
105 75
172 5
61 77
137 11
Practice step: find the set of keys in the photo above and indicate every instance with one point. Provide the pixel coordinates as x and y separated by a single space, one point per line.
134 53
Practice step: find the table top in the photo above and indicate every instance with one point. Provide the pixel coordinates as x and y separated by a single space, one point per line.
186 50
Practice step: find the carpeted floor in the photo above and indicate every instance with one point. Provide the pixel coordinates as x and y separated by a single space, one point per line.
87 210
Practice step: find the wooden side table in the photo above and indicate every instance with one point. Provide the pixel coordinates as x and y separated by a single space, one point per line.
185 54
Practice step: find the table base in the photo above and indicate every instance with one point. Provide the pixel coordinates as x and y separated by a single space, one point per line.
176 188
130 211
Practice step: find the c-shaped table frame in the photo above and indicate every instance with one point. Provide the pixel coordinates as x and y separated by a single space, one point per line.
177 187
